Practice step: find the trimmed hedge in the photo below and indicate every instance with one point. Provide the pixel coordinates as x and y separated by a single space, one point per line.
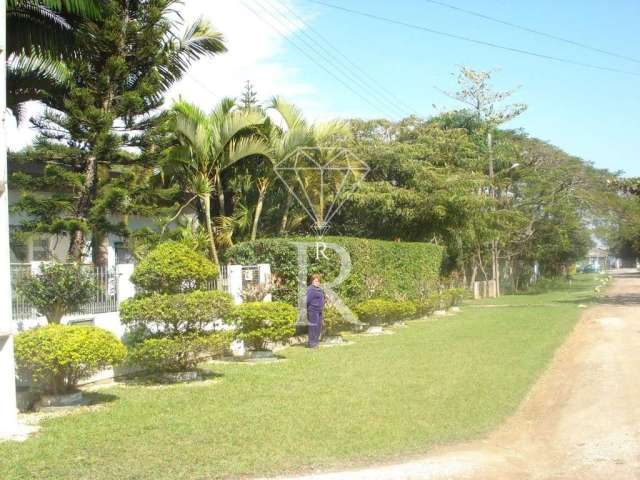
176 313
380 311
58 356
262 322
173 267
399 270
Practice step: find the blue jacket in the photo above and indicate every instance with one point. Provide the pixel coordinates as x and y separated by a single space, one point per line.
315 298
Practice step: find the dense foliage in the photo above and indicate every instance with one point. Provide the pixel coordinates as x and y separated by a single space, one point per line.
58 289
173 267
380 311
58 356
175 313
177 353
259 323
398 270
99 135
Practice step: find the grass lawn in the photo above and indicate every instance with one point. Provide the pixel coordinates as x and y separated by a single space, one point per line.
433 382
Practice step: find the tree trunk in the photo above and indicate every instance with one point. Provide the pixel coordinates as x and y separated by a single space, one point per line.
221 199
285 215
82 206
256 217
100 249
206 200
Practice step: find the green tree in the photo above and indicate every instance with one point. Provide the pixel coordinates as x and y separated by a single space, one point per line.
207 145
249 98
130 56
58 290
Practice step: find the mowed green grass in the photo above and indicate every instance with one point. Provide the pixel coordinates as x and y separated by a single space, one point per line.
436 381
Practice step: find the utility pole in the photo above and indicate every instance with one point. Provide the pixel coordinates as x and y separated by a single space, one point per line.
8 410
495 265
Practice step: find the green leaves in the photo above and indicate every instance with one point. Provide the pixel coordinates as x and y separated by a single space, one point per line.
58 356
172 267
262 322
58 289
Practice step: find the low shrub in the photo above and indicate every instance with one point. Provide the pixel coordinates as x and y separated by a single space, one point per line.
58 356
175 313
59 289
173 267
380 311
334 323
261 322
429 304
177 353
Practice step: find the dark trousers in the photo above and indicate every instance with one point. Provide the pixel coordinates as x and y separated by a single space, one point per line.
315 326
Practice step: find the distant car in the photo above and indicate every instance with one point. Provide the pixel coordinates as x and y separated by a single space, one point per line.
588 269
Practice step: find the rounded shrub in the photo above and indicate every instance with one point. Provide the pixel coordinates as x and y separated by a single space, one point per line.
58 356
261 322
380 311
173 267
334 323
175 313
177 353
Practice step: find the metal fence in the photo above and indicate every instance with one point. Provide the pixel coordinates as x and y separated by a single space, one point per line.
105 300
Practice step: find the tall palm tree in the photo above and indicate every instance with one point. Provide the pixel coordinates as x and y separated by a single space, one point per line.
296 133
208 145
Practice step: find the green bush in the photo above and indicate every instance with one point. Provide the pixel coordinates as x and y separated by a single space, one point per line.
59 289
175 313
58 356
379 268
261 322
177 353
429 304
173 267
380 311
334 323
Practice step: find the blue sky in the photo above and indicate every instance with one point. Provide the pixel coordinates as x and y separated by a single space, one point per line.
589 113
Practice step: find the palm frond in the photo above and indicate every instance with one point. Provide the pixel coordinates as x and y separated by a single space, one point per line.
199 40
291 114
34 78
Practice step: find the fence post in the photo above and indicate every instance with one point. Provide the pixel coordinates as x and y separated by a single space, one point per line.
126 289
264 278
234 280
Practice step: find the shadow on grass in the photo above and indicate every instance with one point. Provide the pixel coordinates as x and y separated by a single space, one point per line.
151 379
98 398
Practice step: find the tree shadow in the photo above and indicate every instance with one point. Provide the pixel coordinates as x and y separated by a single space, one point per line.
98 398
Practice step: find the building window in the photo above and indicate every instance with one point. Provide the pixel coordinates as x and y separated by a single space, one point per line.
123 253
41 248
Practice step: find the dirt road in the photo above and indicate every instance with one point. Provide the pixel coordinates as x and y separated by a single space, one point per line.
581 421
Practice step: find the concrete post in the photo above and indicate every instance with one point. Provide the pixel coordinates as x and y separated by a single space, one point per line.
126 289
264 277
234 278
8 409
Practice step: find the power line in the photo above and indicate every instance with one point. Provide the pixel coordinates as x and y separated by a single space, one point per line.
301 50
472 40
380 87
532 30
330 61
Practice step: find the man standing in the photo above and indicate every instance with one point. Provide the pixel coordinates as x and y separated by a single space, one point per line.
315 307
